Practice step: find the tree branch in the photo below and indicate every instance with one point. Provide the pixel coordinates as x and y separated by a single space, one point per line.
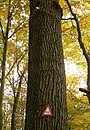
2 30
83 49
16 29
84 90
67 18
19 60
79 32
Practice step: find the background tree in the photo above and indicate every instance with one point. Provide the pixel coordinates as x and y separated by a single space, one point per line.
3 63
76 16
11 52
46 74
85 53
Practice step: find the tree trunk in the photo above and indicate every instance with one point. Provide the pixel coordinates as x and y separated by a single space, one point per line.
46 74
15 105
88 78
3 67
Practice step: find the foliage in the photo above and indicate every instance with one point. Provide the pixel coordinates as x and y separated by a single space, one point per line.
16 63
79 111
17 48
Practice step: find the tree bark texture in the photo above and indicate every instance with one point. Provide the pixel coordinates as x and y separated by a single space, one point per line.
46 74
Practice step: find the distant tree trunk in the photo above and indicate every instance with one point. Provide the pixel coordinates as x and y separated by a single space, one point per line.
46 74
3 66
15 105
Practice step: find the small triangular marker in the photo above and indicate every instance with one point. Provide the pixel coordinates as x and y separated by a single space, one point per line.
47 111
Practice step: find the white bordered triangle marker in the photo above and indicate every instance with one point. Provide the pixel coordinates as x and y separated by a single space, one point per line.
47 111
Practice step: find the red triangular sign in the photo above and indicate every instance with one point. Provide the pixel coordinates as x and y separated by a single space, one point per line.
47 111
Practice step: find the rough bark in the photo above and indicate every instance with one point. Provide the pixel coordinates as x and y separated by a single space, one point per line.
46 74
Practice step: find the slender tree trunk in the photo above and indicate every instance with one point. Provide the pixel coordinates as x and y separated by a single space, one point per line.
3 67
46 74
86 55
2 86
15 105
88 78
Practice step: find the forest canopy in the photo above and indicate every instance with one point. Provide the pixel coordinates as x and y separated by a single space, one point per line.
14 33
